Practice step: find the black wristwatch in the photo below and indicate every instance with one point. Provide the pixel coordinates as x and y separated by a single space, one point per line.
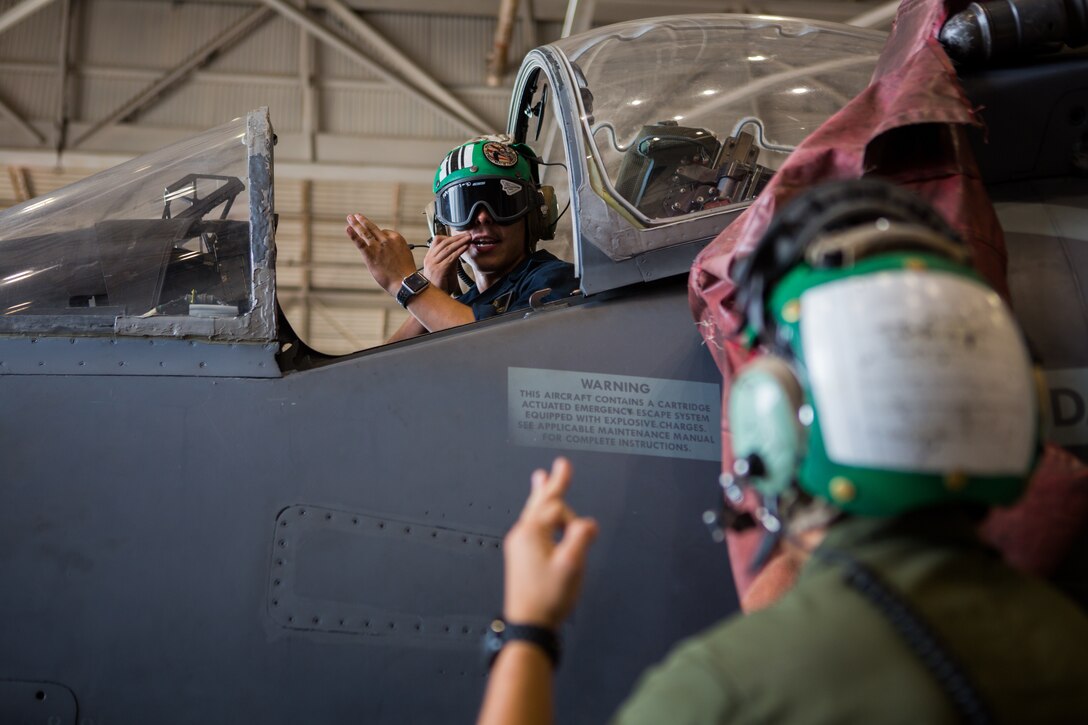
499 633
411 286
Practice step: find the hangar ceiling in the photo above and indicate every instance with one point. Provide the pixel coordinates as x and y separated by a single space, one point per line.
366 96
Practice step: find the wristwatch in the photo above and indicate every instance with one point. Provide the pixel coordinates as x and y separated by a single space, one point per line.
500 632
411 286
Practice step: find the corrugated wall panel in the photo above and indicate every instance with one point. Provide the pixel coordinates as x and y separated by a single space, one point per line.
272 48
100 96
343 278
415 198
288 196
31 92
207 103
288 277
331 315
342 198
289 241
7 191
382 113
331 241
333 63
150 34
199 104
363 328
492 103
453 49
46 180
25 40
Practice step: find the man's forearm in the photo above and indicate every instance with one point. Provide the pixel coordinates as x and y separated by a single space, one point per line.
409 328
436 310
519 689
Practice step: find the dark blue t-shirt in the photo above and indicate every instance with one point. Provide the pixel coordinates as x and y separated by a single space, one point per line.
540 270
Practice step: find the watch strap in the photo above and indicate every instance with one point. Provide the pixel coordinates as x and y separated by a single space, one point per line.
499 633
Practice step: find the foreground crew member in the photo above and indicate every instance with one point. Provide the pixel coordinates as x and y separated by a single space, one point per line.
896 402
491 211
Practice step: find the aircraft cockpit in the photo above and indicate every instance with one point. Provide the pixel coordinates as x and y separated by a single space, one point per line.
654 134
672 126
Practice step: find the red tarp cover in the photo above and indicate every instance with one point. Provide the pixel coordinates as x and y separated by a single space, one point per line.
907 126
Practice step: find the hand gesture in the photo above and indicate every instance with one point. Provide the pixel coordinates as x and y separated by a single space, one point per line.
543 576
440 264
385 252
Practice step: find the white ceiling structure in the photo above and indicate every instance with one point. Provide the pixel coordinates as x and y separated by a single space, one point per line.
366 96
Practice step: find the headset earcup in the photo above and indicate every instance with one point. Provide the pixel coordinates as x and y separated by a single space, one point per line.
549 212
763 407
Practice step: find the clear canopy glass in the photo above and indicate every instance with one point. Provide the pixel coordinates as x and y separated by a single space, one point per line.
690 113
166 234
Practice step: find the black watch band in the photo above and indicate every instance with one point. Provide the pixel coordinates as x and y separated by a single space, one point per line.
411 286
500 632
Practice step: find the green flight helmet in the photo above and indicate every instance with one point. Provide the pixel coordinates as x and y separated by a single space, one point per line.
895 378
500 176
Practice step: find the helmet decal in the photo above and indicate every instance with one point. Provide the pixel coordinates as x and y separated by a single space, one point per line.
500 154
460 158
486 158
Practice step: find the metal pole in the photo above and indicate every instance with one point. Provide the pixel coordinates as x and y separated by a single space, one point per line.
504 30
60 121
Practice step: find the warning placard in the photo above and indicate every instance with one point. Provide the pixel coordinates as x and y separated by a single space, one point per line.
614 413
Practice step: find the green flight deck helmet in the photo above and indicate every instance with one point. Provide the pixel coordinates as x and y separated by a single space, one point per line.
500 176
895 377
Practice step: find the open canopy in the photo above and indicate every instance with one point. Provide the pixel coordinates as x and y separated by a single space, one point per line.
177 242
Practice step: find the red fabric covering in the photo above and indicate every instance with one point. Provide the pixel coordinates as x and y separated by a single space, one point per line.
907 126
1036 534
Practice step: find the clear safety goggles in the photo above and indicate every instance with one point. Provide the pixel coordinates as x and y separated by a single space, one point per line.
505 200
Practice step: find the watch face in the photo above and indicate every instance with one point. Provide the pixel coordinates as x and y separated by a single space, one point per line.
412 285
416 282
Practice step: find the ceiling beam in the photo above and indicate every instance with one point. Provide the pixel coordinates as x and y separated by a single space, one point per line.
21 11
409 70
180 72
20 122
60 119
308 81
614 11
349 49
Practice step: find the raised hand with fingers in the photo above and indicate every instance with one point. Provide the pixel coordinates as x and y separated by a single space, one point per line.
544 576
385 252
440 264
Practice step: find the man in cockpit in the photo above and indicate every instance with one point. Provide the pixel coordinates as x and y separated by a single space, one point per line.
490 213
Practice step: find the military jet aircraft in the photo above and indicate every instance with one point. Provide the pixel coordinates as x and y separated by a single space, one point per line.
206 521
